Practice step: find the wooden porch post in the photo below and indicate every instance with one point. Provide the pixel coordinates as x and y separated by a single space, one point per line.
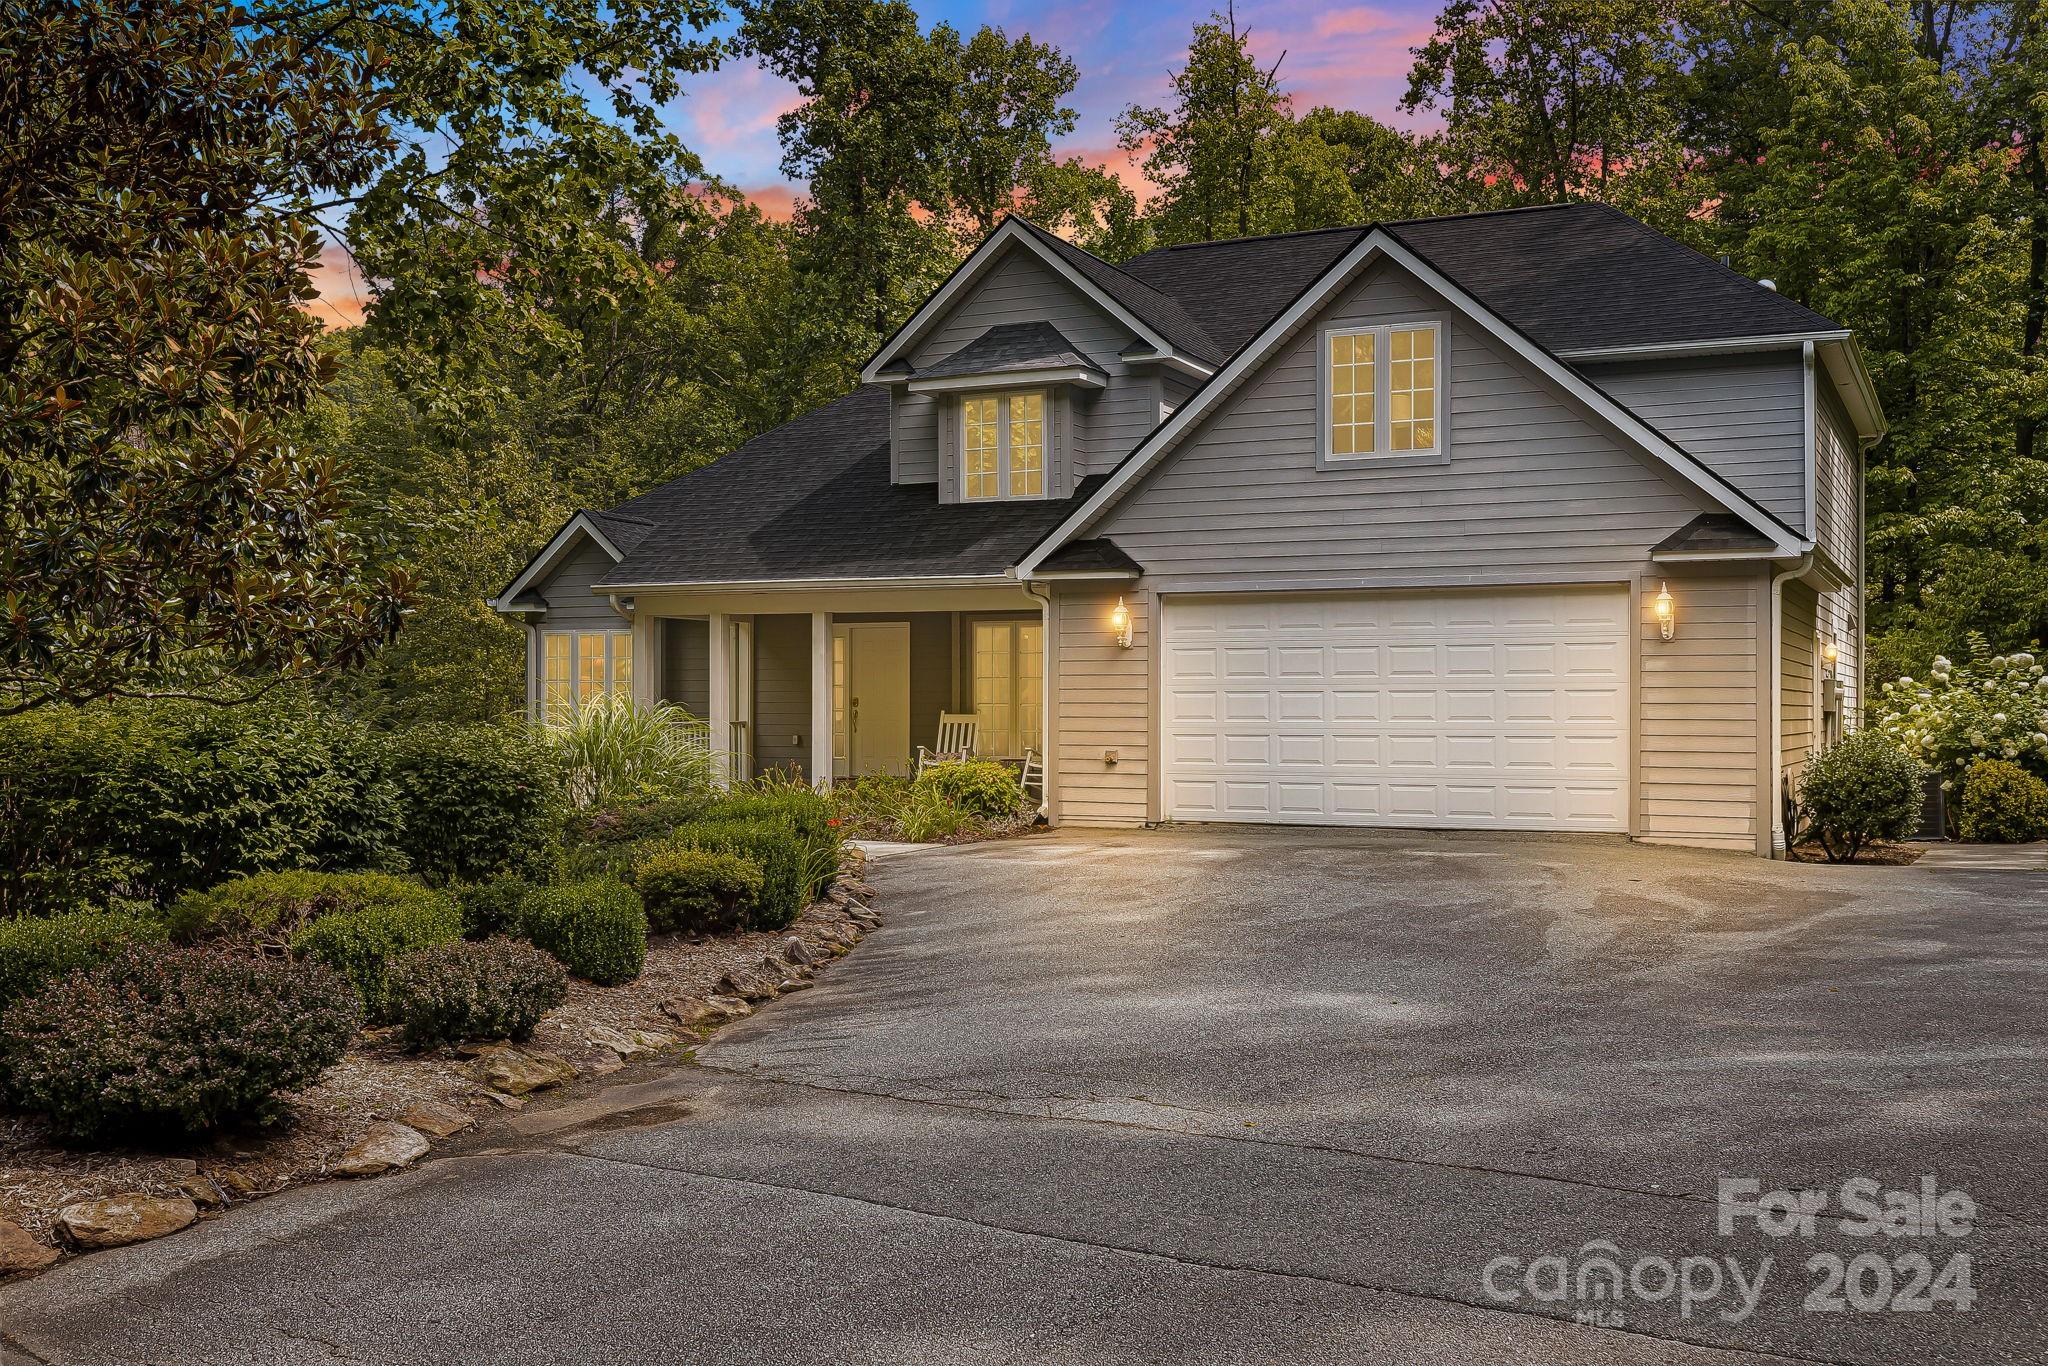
821 699
646 657
719 702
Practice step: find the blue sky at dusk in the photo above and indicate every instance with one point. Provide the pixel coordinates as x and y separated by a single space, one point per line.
1352 56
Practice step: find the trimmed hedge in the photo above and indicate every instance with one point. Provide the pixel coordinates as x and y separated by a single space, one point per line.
777 850
478 802
698 891
492 908
1860 789
628 822
596 929
173 1041
135 801
37 951
498 989
271 907
361 943
980 787
2002 804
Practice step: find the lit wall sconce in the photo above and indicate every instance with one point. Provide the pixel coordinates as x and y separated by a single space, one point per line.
1667 612
1828 655
1120 622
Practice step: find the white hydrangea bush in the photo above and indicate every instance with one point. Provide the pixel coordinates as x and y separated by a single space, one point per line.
1988 707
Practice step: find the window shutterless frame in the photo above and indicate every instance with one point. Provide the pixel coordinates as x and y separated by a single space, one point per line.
1380 395
1005 446
578 665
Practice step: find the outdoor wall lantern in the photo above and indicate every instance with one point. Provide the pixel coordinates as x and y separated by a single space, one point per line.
1667 612
1120 622
1828 655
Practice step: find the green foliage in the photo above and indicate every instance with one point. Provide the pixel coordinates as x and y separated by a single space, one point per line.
361 942
1988 707
699 891
631 821
157 231
782 855
596 929
496 989
479 801
869 805
35 952
1860 789
173 1041
2003 804
492 908
268 908
983 788
140 801
806 811
615 750
928 814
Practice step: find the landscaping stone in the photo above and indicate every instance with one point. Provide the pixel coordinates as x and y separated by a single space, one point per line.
620 1041
656 1039
203 1192
509 1102
433 1118
235 1182
747 986
387 1147
19 1251
729 1007
689 1012
122 1219
796 951
516 1071
179 1167
790 984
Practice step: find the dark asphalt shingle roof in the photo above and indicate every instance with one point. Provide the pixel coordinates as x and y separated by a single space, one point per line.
812 500
1712 532
1010 346
1098 555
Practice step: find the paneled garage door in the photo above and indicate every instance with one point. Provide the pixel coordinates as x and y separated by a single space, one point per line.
1503 710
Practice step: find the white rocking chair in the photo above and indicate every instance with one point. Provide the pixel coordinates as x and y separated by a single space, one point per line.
1032 774
958 732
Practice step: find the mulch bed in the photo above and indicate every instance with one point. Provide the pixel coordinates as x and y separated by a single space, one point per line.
377 1080
1887 855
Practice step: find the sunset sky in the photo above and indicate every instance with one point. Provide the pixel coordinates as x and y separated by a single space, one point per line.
1352 56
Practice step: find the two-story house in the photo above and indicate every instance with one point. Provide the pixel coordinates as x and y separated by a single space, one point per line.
1520 520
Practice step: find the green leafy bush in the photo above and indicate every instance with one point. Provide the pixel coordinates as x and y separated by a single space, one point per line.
496 989
1988 707
778 851
478 801
698 891
871 804
596 929
272 907
614 749
805 811
613 859
983 788
1861 789
626 822
141 801
497 907
2003 804
38 950
360 944
173 1041
929 814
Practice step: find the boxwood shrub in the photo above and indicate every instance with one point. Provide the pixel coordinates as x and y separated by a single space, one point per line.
497 989
698 891
497 907
777 850
1860 789
161 1041
2002 804
478 801
271 907
361 943
38 950
980 787
596 929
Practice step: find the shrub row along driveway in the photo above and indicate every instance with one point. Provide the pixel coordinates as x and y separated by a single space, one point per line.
1213 1095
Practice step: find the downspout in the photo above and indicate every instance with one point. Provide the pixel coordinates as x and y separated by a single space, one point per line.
1046 683
1776 656
621 605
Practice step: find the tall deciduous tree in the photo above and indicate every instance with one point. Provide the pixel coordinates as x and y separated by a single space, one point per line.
159 168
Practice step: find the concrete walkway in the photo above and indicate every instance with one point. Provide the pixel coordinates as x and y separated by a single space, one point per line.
1215 1096
1986 858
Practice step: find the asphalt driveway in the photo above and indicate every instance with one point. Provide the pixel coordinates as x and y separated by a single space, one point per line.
1226 1095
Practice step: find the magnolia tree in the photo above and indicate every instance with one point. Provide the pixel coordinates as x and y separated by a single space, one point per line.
1988 707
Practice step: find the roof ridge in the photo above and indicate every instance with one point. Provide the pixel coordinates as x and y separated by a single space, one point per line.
1381 223
1072 249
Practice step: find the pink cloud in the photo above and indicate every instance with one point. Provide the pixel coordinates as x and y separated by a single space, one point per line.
343 292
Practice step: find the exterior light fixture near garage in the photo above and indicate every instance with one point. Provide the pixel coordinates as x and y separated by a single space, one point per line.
1829 654
1667 612
1120 622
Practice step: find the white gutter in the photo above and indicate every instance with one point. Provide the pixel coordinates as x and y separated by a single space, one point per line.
1778 341
1776 656
812 585
1046 684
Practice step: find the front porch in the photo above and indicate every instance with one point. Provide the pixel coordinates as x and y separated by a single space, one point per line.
848 683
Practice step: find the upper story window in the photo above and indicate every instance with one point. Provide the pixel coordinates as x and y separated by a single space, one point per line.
578 666
1383 391
1003 450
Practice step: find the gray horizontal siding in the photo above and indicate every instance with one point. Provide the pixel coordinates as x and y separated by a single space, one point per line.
1742 416
1533 489
571 603
913 437
1835 480
782 692
686 664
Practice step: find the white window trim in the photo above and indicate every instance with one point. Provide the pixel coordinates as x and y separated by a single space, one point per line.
1022 718
574 634
1382 408
1045 424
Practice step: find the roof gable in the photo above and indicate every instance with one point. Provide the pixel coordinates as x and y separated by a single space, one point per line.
1375 245
612 532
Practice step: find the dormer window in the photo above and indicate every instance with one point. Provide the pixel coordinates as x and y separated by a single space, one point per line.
1003 451
1382 392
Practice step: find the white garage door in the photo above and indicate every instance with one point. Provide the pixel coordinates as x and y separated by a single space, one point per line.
1505 709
